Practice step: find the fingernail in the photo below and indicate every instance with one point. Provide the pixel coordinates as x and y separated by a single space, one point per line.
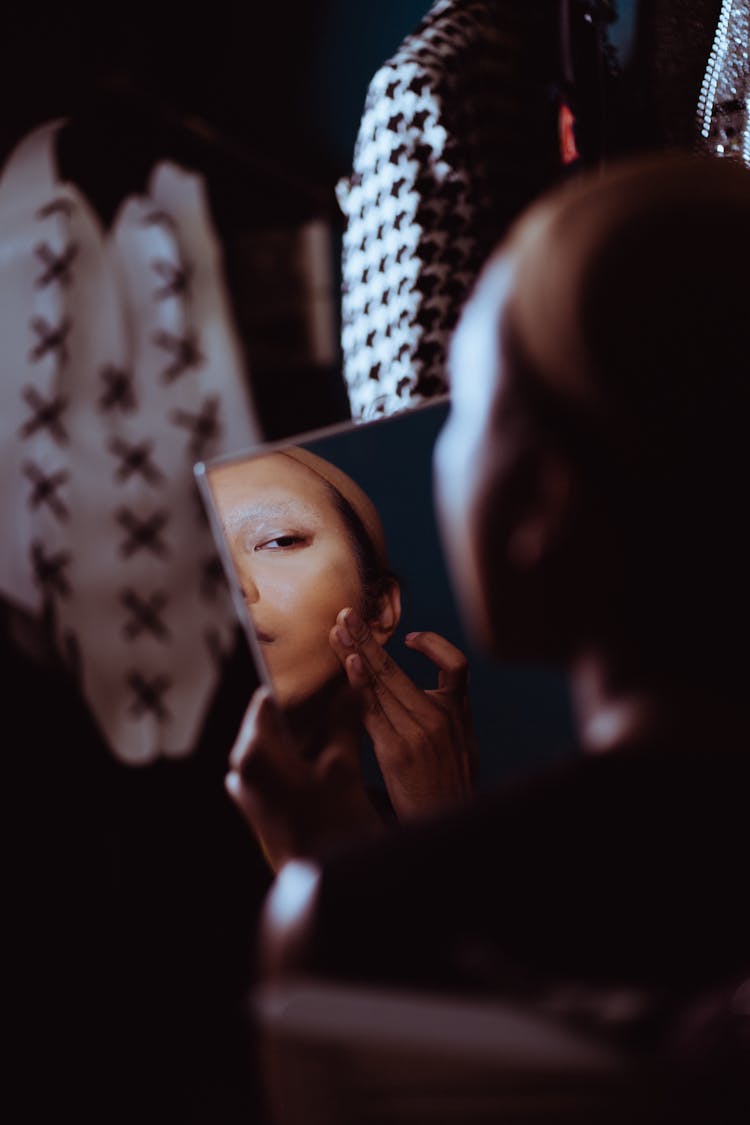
355 664
344 636
353 622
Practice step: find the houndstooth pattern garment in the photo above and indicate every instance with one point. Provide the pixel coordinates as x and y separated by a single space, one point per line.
458 133
120 369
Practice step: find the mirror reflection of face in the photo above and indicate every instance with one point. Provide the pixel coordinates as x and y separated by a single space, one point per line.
295 563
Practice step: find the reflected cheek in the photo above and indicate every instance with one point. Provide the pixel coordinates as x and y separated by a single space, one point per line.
301 661
279 597
295 610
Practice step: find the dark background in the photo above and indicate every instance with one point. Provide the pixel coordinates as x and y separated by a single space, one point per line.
285 81
263 99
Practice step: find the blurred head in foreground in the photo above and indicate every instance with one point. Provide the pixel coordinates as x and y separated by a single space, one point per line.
591 477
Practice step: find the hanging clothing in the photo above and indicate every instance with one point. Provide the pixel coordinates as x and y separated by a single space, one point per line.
121 369
724 103
684 81
485 105
458 133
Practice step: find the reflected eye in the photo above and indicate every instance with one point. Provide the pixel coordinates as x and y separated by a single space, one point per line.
283 543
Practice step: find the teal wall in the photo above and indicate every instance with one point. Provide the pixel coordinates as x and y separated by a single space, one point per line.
354 39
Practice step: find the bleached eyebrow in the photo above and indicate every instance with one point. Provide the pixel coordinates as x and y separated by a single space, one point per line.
254 514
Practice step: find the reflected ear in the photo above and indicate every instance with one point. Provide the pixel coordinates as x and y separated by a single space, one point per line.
389 613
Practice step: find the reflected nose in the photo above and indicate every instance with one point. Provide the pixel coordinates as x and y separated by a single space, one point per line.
249 590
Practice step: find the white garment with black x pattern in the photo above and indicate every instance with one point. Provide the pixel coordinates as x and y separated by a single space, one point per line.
120 368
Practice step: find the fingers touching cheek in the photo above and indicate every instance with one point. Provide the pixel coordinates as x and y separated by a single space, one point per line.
355 671
349 634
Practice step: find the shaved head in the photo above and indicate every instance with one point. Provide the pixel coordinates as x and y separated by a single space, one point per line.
591 471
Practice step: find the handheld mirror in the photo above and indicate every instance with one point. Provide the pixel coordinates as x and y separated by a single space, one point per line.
344 517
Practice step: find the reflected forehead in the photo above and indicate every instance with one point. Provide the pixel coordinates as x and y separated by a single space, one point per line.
271 487
261 509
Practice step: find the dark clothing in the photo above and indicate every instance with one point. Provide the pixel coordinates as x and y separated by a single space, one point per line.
618 876
130 909
628 867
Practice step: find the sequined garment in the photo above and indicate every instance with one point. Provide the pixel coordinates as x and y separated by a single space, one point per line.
723 116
